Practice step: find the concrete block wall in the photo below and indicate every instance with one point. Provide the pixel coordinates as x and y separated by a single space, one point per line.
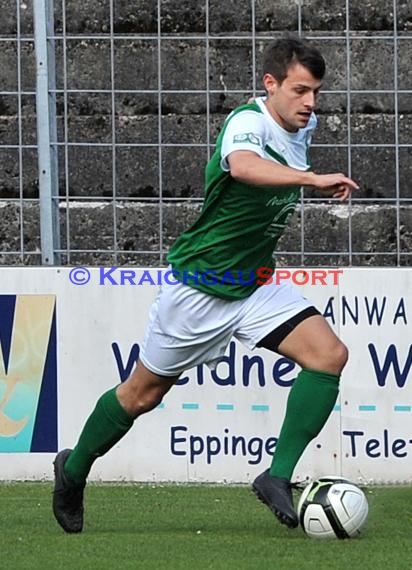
87 178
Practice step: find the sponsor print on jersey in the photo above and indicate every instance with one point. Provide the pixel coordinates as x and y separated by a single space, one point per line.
247 137
287 205
28 374
281 200
278 224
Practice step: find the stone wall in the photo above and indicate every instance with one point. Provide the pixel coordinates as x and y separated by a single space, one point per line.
87 176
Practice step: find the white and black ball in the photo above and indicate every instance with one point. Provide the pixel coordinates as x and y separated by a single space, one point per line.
333 507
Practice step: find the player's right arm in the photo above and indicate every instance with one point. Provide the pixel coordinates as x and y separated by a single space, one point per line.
248 167
243 154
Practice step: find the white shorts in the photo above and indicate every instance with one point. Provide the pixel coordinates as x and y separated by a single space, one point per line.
188 327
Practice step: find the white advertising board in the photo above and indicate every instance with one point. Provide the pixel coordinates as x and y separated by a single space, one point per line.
63 345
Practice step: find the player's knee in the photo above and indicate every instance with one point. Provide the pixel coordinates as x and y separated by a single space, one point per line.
340 355
144 403
139 401
330 357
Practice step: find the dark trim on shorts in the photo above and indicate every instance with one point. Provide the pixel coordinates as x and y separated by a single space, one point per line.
272 340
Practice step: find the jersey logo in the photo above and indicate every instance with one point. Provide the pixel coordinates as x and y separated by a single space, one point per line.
247 137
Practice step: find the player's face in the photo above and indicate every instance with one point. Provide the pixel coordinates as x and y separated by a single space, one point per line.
291 102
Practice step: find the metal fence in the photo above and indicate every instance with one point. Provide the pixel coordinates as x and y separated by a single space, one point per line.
72 152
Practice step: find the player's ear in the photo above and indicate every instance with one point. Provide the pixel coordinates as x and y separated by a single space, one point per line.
270 83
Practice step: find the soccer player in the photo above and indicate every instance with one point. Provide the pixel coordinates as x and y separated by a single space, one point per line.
253 182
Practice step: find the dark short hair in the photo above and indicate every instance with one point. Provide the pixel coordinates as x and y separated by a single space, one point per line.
281 54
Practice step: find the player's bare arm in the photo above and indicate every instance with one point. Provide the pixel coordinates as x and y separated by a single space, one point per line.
246 166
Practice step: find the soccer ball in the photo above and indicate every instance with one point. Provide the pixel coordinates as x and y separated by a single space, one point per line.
332 507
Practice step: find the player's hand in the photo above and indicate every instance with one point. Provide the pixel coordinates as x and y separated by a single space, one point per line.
337 185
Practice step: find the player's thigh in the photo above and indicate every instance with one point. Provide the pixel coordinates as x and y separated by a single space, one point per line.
313 344
270 313
186 328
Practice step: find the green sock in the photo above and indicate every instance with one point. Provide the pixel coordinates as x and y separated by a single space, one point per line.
106 425
309 405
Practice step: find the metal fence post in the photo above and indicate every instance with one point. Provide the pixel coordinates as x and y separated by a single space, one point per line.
47 131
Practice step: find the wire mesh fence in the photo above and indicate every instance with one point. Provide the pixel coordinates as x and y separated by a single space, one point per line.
104 163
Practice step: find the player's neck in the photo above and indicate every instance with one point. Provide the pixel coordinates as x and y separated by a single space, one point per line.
278 119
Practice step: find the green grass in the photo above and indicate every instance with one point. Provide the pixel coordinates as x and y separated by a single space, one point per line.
192 527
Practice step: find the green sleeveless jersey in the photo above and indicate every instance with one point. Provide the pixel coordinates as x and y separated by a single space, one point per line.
240 224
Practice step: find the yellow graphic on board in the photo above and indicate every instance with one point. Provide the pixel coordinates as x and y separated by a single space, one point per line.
20 386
